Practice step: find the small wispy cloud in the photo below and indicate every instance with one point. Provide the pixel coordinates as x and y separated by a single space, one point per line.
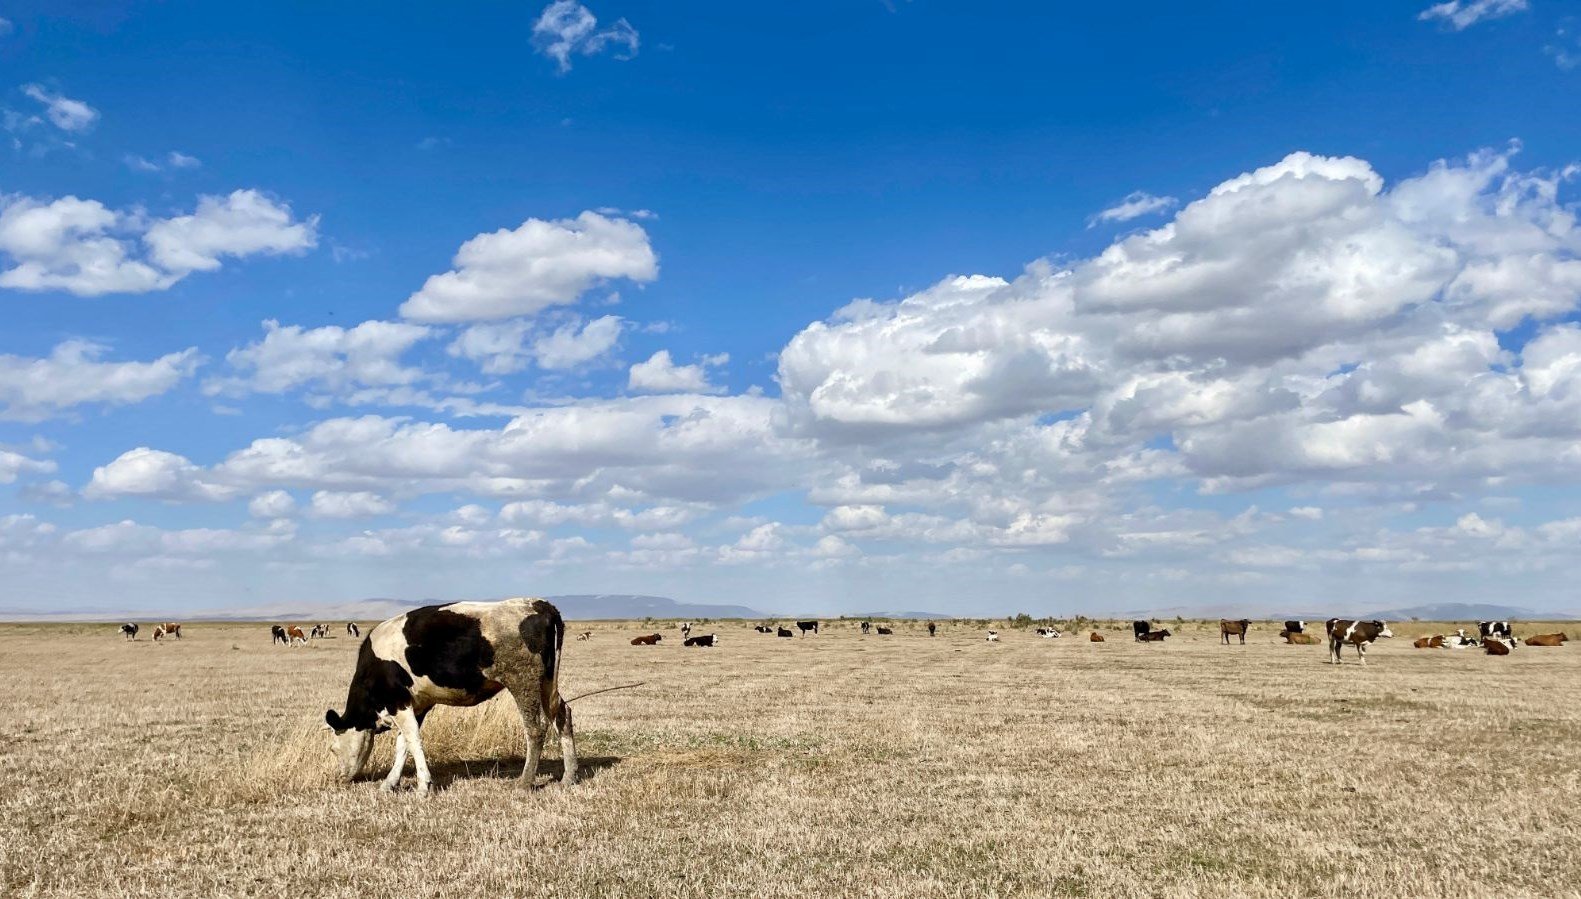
1461 16
1136 204
5 26
175 159
1566 50
63 112
567 28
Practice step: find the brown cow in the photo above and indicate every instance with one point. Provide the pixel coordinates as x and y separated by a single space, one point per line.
585 635
1434 642
293 634
168 629
1299 638
1096 637
1229 628
649 640
1494 646
1547 640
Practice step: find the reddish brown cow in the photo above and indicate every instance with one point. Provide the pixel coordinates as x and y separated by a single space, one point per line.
649 640
1298 638
1228 629
1434 642
293 634
1547 640
168 629
1096 637
1495 647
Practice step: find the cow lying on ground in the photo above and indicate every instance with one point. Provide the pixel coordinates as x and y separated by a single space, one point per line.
1547 640
1138 628
784 632
764 629
1155 636
1359 634
1095 637
1298 638
277 635
703 640
1228 629
1048 633
1460 640
585 635
1497 646
458 654
1295 627
294 635
885 631
1434 642
649 640
993 636
129 631
805 626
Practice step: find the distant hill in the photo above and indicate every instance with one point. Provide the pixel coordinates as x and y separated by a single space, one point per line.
579 607
921 616
1461 611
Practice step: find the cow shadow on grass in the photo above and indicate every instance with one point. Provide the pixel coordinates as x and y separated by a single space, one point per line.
510 768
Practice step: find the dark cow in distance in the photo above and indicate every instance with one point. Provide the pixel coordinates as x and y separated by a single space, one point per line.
459 654
703 640
352 629
931 628
129 630
1139 628
866 626
648 640
885 631
1547 640
1228 629
277 635
1155 636
784 632
1359 634
1295 627
805 626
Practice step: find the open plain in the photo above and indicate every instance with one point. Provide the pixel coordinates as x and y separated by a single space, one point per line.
830 765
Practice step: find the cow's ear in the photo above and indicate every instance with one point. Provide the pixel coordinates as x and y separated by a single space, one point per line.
333 720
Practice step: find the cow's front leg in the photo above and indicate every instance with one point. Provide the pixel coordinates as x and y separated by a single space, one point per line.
406 721
393 779
567 744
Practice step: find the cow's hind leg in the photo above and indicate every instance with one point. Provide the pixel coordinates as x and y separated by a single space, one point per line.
531 707
563 724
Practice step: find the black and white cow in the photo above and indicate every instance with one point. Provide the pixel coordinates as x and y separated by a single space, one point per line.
703 640
686 629
459 654
1296 627
353 629
129 630
277 635
1048 633
764 629
1359 634
866 626
1461 640
320 631
1488 629
1141 628
805 626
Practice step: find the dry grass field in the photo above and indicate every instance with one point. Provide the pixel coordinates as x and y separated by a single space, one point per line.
836 765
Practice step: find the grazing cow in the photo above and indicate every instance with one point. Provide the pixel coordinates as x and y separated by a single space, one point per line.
1229 628
867 627
159 632
784 632
703 640
1295 627
686 629
1095 637
764 629
649 640
931 628
885 631
1298 638
1497 646
294 635
1156 636
1357 633
1547 640
353 629
585 635
993 636
1138 628
1048 633
1487 629
459 654
171 629
277 635
320 631
129 630
1434 642
805 626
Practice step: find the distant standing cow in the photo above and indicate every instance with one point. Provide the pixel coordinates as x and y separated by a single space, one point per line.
686 629
1359 634
866 627
805 626
294 635
169 628
931 628
1488 629
1140 628
129 630
353 629
277 635
1295 627
1229 628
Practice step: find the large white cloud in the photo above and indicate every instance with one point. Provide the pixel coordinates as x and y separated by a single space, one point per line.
331 358
540 264
72 375
660 374
244 223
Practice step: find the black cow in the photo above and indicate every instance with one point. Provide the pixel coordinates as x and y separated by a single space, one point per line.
1495 629
1295 627
885 631
866 627
805 626
1141 628
353 629
1155 636
277 635
1357 633
703 640
129 630
784 632
457 654
931 628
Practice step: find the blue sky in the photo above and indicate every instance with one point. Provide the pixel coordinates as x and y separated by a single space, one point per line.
815 307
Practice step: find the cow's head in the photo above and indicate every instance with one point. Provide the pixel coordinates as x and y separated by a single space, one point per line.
351 746
1383 629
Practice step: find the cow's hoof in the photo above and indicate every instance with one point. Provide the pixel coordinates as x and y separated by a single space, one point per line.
422 789
388 787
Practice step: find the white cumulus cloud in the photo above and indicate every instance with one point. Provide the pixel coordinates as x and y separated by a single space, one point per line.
33 389
660 374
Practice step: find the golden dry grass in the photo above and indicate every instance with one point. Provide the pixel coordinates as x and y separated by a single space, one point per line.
834 766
